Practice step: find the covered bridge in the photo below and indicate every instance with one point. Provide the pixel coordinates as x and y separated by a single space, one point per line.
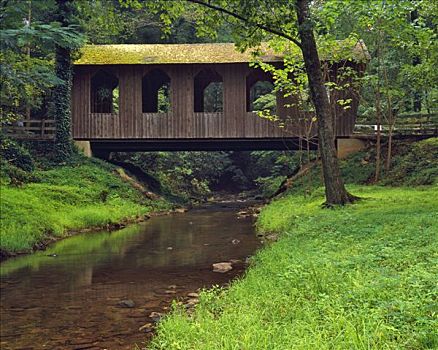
188 96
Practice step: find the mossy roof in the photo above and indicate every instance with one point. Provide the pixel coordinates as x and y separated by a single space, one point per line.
175 54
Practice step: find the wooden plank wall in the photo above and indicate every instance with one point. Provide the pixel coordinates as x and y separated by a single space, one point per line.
182 122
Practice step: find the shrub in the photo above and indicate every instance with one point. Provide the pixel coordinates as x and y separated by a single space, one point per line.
15 176
415 164
16 154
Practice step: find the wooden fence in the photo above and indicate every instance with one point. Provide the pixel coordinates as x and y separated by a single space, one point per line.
31 129
405 125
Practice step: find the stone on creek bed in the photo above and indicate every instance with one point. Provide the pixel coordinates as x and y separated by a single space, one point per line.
127 303
147 327
222 267
155 316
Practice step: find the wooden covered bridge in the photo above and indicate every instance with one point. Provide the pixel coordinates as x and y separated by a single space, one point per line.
190 97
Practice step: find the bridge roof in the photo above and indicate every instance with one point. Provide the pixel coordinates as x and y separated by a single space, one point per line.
216 53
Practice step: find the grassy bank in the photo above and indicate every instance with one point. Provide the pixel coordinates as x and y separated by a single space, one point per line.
52 202
360 277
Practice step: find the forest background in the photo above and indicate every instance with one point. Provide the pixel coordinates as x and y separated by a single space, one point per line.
400 80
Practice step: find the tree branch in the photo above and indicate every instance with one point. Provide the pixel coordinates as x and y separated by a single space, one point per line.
246 20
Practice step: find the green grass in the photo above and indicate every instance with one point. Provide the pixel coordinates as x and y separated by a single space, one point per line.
66 198
359 277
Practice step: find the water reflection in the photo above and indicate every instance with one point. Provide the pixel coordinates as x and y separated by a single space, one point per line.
68 295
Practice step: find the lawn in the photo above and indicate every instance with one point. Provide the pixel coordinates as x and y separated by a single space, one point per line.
359 277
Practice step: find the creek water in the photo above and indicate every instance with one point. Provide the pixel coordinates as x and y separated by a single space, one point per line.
96 291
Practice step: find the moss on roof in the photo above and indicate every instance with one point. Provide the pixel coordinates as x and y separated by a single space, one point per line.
172 54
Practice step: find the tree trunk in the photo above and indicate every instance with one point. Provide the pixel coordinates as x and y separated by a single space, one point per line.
379 134
378 108
389 154
335 191
391 122
28 51
415 62
61 94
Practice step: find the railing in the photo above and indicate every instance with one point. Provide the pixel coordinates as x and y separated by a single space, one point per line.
405 125
31 129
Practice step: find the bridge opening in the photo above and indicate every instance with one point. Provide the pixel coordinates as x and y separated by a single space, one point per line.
262 97
260 94
156 92
225 172
104 92
208 88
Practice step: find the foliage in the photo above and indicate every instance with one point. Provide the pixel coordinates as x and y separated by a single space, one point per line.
414 164
15 154
183 174
164 105
60 109
262 97
213 97
358 277
401 36
24 82
266 170
269 185
194 175
27 54
105 23
401 77
125 22
13 175
276 163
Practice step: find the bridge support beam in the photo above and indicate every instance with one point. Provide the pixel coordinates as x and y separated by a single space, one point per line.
102 148
84 147
349 146
89 151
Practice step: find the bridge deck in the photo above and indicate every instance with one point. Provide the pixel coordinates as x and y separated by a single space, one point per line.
291 143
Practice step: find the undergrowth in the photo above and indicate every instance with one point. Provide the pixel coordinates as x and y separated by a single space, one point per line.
413 164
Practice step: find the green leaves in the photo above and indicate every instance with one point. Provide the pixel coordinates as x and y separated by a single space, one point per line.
41 35
402 39
27 56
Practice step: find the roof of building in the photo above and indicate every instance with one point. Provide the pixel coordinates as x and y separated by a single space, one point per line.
189 54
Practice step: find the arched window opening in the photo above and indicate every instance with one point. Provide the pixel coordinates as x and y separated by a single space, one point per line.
104 93
156 92
208 88
260 94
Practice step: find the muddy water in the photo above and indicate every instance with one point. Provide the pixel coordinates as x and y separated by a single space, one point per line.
95 291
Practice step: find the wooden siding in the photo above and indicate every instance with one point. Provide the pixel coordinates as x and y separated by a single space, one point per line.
182 122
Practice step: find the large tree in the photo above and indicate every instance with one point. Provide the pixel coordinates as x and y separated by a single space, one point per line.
335 190
61 94
254 21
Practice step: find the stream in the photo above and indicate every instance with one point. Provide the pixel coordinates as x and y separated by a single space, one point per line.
107 289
